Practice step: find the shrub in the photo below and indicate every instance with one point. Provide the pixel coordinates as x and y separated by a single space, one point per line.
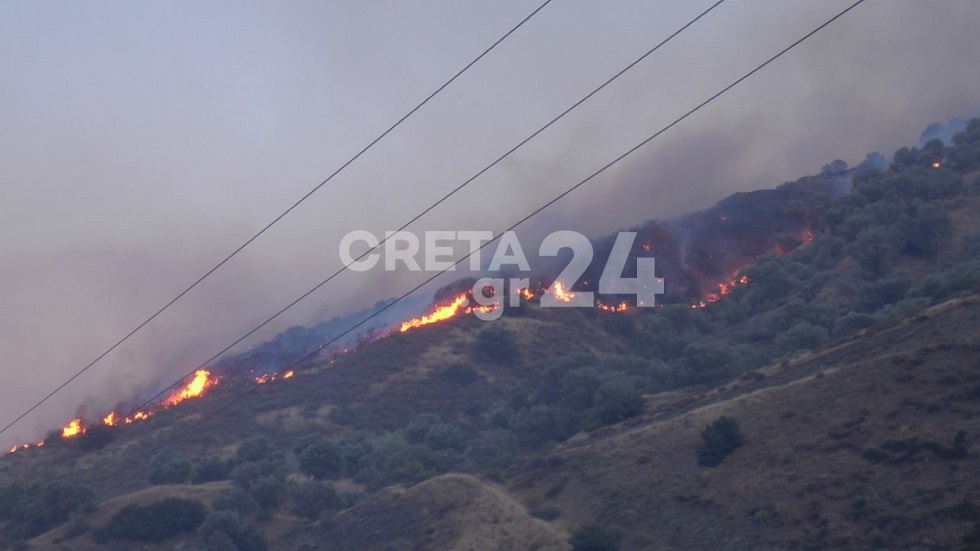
593 538
321 459
228 530
236 500
493 449
169 467
255 449
96 438
35 509
311 500
155 522
719 440
616 401
496 344
209 469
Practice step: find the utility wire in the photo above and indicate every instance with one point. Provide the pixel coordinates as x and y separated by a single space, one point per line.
444 198
533 213
276 220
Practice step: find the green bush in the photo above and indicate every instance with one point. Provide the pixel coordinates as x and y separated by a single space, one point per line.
321 459
719 440
594 538
31 510
209 469
311 500
495 344
169 467
153 523
228 530
616 401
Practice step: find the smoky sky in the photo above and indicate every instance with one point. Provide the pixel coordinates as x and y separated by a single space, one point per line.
143 142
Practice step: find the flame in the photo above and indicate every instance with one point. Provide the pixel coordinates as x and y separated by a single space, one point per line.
74 428
441 313
109 420
269 377
527 293
936 164
202 381
724 288
621 307
560 293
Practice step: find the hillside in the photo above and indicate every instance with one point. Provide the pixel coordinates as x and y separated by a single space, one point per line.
846 350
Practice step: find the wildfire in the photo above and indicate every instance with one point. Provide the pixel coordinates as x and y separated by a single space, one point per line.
202 381
74 428
109 420
724 288
441 313
621 307
559 292
936 164
527 293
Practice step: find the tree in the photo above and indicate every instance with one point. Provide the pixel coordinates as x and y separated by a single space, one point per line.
154 523
493 449
228 530
209 469
312 500
719 440
616 401
169 467
321 459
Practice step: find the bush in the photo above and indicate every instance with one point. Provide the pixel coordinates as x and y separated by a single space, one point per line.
256 449
719 440
228 530
154 523
209 469
321 459
315 498
169 467
96 437
594 538
35 509
493 449
496 344
616 401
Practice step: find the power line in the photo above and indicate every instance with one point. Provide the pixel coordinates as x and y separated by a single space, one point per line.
444 198
440 201
276 220
533 213
539 209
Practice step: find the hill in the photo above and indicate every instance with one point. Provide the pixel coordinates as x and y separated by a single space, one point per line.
847 361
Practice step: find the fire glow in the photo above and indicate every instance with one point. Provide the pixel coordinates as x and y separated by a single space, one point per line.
559 292
724 288
459 305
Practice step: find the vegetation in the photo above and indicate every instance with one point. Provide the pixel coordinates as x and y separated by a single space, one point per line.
593 538
719 440
153 523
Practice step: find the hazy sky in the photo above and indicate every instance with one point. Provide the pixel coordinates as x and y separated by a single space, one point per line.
142 142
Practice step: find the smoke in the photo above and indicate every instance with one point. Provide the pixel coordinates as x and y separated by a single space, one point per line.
141 147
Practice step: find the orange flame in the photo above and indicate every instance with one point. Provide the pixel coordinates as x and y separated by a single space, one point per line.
288 375
621 307
202 381
441 313
560 293
74 428
110 419
724 288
